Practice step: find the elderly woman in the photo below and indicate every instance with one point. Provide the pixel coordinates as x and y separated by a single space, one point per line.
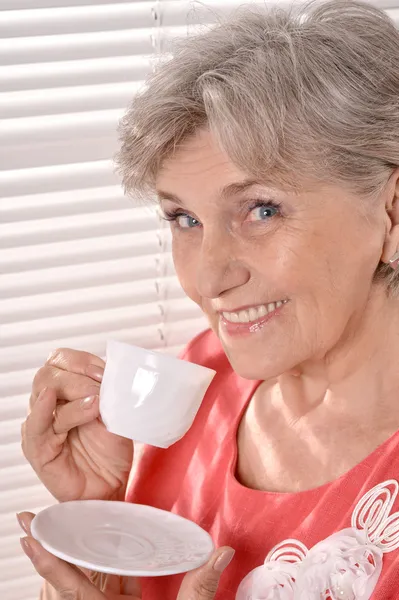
272 143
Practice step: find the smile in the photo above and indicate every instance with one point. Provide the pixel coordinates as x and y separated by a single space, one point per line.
253 314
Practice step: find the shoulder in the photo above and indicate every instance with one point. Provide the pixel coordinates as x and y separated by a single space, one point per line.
206 350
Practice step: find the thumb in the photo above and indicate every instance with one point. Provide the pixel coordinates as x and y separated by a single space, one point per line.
202 583
69 581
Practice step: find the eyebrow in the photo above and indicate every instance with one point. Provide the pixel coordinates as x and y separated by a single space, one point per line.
226 192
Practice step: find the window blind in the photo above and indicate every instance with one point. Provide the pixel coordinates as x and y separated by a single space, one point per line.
79 262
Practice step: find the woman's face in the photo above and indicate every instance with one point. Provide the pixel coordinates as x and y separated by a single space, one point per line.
282 277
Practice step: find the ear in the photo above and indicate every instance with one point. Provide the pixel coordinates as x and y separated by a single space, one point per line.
391 243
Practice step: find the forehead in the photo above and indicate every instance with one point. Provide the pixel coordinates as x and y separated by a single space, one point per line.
195 156
200 165
199 168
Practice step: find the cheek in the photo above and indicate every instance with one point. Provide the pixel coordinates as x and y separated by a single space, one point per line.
315 255
330 276
184 262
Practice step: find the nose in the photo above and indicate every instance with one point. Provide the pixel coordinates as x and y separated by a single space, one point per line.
218 268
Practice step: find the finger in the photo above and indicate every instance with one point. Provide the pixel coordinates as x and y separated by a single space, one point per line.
112 583
76 361
131 586
66 579
73 414
40 445
109 583
68 386
202 583
40 418
49 422
25 519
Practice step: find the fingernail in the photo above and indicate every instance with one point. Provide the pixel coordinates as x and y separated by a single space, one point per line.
21 523
42 393
95 372
224 560
27 548
88 402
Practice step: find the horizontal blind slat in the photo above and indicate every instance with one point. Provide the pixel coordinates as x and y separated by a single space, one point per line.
394 15
175 350
63 203
48 179
91 250
8 523
33 355
128 42
58 101
178 333
15 406
83 276
144 315
17 478
77 19
58 152
27 332
76 227
12 571
10 456
28 4
10 547
23 586
95 71
70 302
51 127
10 433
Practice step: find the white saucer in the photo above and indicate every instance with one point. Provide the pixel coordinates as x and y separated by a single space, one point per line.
122 538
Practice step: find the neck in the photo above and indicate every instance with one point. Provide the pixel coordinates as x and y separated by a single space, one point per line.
358 378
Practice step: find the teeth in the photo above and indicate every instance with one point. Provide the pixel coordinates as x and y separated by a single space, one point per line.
243 316
252 314
262 311
233 317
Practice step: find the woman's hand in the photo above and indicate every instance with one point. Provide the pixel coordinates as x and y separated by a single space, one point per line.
64 438
70 582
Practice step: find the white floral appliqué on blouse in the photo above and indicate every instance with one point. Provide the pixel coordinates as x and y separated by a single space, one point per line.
344 566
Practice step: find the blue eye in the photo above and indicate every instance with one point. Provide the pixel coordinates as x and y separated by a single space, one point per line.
181 220
186 222
263 212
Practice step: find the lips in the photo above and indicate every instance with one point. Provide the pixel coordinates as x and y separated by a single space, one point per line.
250 320
253 314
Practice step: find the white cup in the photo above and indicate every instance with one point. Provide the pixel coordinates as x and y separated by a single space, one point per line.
148 396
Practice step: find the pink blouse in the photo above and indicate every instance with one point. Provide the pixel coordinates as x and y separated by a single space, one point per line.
195 478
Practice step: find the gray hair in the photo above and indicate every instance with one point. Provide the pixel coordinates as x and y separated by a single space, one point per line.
310 90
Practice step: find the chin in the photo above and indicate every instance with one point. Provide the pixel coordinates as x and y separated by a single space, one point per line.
251 365
261 355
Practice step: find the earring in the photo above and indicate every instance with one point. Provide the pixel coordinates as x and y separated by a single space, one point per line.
393 260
